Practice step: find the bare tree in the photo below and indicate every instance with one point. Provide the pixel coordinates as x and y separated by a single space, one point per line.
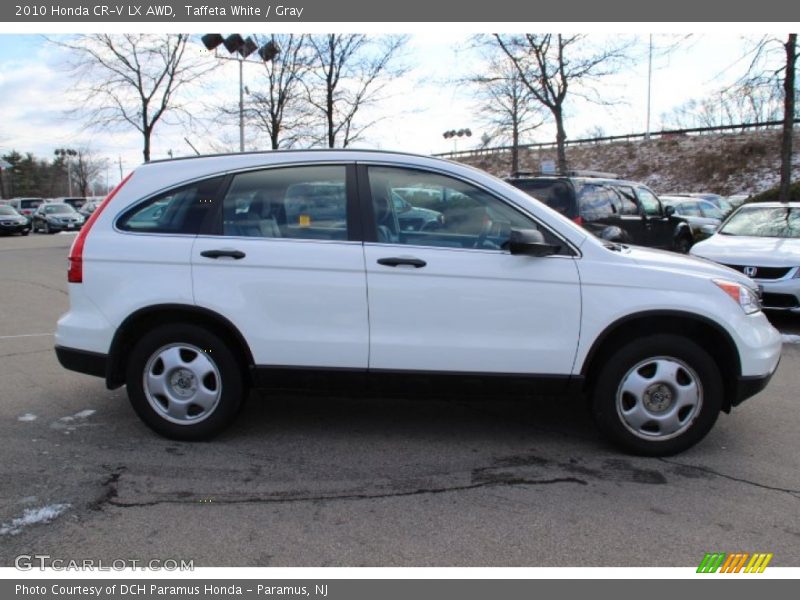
551 65
134 79
350 72
774 60
86 168
506 105
279 108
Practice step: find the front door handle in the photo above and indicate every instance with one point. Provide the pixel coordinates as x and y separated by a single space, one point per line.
417 263
236 254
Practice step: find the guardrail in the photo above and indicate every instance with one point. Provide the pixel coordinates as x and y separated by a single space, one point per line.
615 138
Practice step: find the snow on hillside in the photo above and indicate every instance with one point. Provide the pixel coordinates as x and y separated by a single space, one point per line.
724 163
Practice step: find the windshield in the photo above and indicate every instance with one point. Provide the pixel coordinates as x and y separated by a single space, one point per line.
58 209
764 221
7 211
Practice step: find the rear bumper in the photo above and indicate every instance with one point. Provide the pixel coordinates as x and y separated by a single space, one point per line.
82 361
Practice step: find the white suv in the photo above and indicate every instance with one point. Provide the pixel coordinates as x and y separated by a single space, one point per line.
198 278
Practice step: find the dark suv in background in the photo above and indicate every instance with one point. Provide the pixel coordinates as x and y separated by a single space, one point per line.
613 209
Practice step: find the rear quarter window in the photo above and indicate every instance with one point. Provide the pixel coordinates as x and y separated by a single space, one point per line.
181 210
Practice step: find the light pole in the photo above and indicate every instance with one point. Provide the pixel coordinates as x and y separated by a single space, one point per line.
236 44
67 154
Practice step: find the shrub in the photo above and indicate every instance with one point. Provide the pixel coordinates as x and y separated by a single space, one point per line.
771 195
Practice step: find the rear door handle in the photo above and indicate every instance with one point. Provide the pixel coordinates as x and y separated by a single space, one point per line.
237 254
396 261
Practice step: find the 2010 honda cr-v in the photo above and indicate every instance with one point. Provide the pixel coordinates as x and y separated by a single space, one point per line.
198 278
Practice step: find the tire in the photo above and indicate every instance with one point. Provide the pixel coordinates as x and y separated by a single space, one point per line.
24 233
46 228
658 395
184 382
682 244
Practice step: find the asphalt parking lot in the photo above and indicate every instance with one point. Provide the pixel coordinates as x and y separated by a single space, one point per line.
321 481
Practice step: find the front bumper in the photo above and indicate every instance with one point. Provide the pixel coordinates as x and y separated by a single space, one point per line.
780 294
747 387
15 228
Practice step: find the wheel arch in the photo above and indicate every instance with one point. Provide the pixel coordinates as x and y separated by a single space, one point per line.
711 336
145 319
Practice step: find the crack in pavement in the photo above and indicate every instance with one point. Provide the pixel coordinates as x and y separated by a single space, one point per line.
112 494
41 285
793 493
26 353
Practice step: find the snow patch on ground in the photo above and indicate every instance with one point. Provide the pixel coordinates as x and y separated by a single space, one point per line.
790 339
32 516
68 424
27 417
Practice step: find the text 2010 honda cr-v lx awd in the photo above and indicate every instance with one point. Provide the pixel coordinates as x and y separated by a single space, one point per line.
198 278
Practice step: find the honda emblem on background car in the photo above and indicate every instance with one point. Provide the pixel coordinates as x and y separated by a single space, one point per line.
750 271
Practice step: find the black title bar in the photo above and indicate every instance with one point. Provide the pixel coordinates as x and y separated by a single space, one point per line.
341 11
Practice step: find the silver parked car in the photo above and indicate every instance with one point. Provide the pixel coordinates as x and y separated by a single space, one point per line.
762 241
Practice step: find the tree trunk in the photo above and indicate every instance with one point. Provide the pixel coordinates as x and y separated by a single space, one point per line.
146 149
561 138
788 118
515 148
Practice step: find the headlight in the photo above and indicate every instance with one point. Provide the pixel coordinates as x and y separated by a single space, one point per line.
746 298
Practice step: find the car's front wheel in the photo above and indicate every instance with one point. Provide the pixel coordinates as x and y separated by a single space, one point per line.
184 382
658 395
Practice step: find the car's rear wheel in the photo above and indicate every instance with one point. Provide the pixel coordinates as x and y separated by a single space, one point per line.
184 382
658 396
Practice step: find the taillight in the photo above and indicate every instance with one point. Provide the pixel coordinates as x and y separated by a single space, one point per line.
578 220
75 270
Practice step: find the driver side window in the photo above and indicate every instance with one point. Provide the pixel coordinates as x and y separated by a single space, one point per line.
427 209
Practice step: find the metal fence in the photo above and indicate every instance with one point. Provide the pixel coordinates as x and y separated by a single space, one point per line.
630 137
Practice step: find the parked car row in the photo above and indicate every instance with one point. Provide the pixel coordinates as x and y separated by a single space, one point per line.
23 215
761 240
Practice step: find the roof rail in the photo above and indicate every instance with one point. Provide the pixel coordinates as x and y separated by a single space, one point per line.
599 174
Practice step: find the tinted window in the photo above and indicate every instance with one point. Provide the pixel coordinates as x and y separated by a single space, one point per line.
179 211
595 202
628 198
557 194
29 203
428 209
293 202
650 203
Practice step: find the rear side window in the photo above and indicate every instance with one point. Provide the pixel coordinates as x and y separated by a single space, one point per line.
308 202
179 211
556 194
596 202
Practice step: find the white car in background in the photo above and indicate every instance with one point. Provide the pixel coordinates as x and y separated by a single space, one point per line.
762 241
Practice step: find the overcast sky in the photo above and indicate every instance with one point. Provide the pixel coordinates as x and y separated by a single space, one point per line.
35 98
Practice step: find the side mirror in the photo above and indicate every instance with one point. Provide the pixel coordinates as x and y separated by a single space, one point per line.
669 211
530 242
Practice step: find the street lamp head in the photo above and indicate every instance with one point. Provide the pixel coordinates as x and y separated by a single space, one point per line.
248 47
233 42
269 51
212 40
